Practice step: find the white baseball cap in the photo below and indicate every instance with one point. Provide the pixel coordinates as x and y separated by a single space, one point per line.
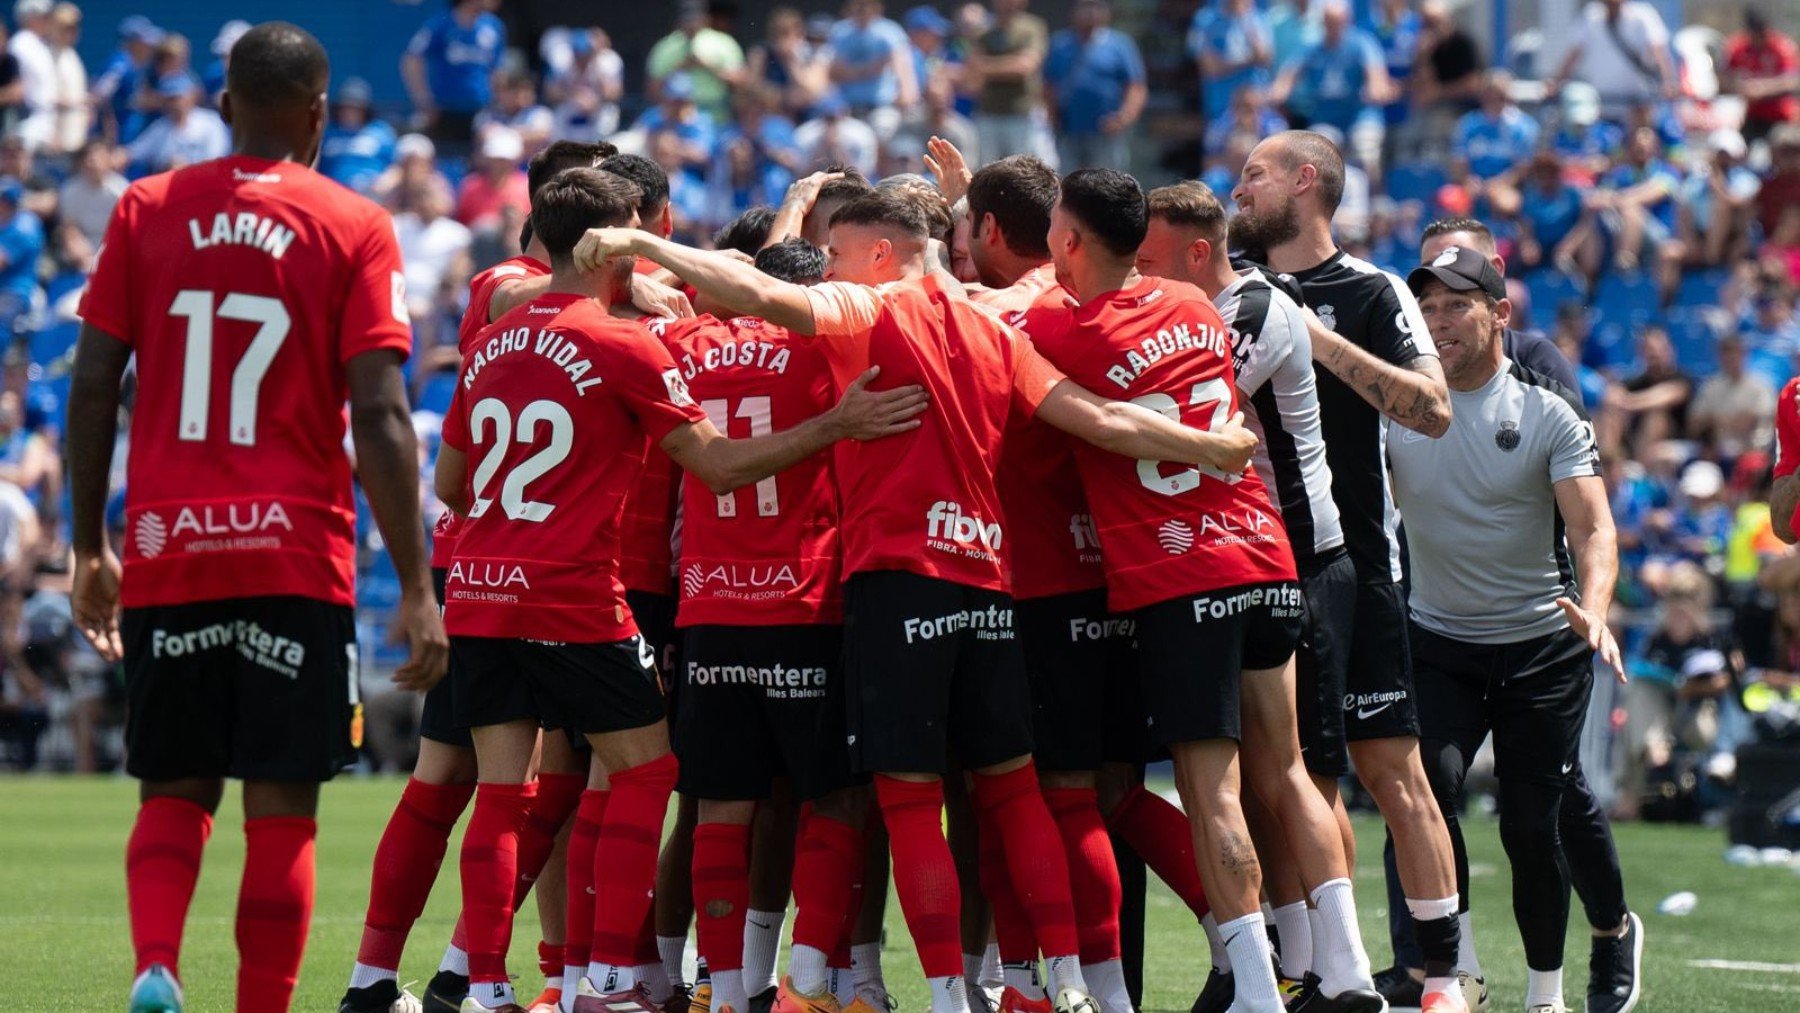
503 143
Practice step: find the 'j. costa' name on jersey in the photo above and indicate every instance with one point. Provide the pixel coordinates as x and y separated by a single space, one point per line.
242 229
1180 337
743 354
549 344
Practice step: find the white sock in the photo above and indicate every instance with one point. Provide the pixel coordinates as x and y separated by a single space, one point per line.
610 978
990 967
655 981
728 990
1294 930
947 995
1465 946
672 949
1065 972
806 969
1543 988
456 960
1107 979
571 981
1220 961
1024 978
1316 926
362 975
1341 963
762 937
1247 944
865 965
492 994
843 985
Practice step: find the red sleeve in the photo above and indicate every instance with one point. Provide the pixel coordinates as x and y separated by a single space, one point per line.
1790 55
107 302
1787 430
375 314
1033 376
455 432
652 388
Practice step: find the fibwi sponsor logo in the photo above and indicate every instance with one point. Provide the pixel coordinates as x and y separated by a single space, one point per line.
1176 537
991 623
1367 705
1081 526
268 650
949 528
777 681
213 527
739 581
1283 601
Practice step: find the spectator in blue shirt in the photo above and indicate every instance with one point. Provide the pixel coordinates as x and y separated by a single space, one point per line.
1095 79
448 66
871 60
1230 41
184 134
1249 113
929 33
357 148
678 114
1339 82
1398 29
1548 211
1582 137
118 83
212 79
21 243
1496 138
1293 28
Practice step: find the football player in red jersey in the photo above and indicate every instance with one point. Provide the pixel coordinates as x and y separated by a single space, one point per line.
443 778
257 297
933 664
556 402
1784 496
1198 558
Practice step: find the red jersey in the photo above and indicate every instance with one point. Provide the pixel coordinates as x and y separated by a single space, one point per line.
766 554
1771 57
1787 429
474 321
1169 530
647 560
1053 549
555 407
925 501
244 286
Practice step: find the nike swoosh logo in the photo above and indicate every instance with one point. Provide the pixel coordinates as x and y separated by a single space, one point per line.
759 925
1364 715
1413 436
1567 767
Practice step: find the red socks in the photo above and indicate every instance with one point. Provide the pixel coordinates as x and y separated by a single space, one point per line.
274 911
828 862
625 857
583 836
721 892
162 861
924 872
1012 926
1014 803
406 865
1160 834
490 864
557 797
1093 871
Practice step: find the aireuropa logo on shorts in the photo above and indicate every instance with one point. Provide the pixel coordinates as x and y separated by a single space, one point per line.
777 681
991 623
269 650
212 527
1283 602
950 528
1367 705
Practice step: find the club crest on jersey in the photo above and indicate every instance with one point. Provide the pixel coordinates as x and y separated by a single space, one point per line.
1448 257
1327 315
1507 436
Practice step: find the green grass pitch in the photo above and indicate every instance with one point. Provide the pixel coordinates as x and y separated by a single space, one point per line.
65 940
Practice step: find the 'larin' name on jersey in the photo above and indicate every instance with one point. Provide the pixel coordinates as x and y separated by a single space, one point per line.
243 229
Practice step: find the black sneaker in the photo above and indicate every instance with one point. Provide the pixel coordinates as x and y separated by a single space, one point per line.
1351 1000
679 1000
1218 993
446 992
1615 968
763 1002
1402 991
1295 994
377 998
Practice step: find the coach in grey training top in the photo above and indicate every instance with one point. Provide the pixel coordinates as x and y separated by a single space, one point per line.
1501 638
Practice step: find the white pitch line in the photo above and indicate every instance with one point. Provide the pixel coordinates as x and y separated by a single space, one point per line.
1754 966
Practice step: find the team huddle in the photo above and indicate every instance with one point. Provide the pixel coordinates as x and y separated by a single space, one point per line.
914 507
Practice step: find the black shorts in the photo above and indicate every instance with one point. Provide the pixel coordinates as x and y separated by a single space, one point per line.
1194 650
1320 661
1081 665
585 688
437 719
1533 695
932 666
761 702
1378 683
261 689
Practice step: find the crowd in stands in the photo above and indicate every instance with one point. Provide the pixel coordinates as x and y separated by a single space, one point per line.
1644 184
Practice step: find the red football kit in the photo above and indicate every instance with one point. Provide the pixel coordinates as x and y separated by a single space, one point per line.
474 321
1053 549
1768 57
924 501
1787 429
766 554
1170 530
556 407
244 286
647 554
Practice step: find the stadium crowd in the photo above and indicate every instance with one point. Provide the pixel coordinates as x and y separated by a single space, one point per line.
1643 195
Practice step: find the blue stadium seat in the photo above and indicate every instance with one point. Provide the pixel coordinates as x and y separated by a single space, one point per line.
1702 288
1549 289
50 395
1773 366
1695 338
1611 348
53 341
62 285
435 395
1415 181
1629 299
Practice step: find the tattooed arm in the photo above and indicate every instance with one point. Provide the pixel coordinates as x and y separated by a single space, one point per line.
1413 394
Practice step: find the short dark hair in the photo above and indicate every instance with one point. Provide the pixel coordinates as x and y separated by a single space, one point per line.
651 180
1484 236
748 231
792 260
562 155
1192 204
277 65
939 220
1019 191
1110 205
894 207
853 185
1304 147
576 200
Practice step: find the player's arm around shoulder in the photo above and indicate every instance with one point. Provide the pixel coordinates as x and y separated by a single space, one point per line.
1132 430
1411 392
